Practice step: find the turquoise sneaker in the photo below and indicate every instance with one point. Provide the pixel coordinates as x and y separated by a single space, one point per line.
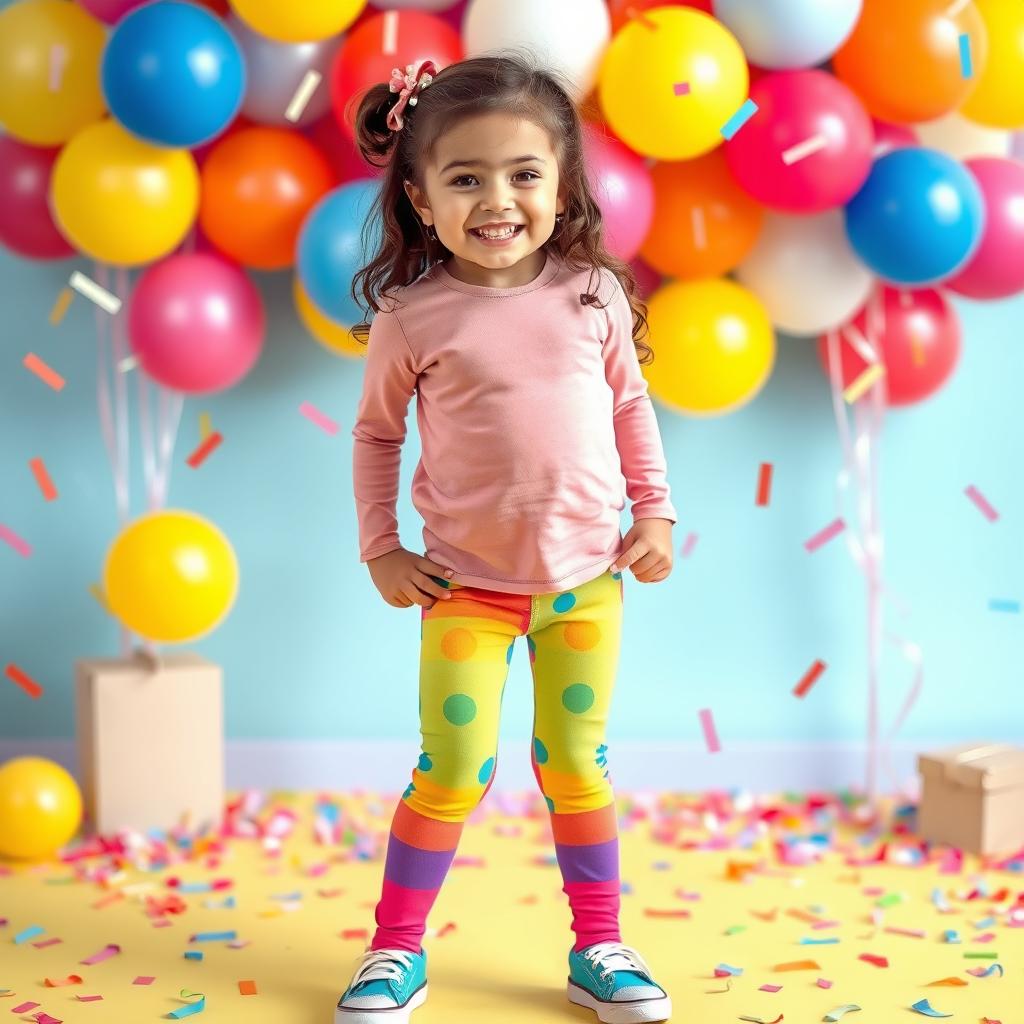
613 981
388 985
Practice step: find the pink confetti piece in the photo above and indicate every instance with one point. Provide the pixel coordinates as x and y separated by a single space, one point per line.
681 88
833 529
23 1007
58 58
913 933
770 988
824 983
47 942
987 937
10 537
104 954
144 979
707 723
688 545
89 999
314 415
980 500
870 958
804 149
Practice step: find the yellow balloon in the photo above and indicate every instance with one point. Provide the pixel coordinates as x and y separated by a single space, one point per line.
642 66
328 332
40 808
49 70
713 343
121 200
170 576
301 22
998 98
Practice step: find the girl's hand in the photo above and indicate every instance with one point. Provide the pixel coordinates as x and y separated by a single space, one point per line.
403 578
647 550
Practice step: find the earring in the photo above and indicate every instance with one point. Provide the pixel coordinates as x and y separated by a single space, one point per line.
431 233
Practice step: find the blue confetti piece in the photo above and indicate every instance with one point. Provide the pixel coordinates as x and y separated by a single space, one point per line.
950 936
186 1011
625 887
734 971
193 954
987 922
29 933
1004 604
740 118
214 937
819 942
195 886
965 55
924 1007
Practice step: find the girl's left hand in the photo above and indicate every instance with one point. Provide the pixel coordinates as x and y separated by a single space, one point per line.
647 550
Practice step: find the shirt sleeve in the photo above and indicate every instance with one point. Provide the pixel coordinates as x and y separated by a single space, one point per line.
389 381
636 428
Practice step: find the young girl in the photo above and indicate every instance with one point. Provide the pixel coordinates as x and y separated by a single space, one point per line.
516 330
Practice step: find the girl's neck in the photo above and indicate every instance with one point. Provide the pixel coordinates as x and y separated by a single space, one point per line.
523 272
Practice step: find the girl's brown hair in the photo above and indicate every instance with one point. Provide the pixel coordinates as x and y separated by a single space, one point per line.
510 83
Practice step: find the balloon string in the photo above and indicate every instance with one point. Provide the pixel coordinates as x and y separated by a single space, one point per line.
146 440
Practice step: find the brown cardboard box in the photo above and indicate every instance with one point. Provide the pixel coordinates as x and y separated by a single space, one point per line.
972 797
150 741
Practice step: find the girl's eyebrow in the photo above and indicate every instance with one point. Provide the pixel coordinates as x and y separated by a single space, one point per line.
484 163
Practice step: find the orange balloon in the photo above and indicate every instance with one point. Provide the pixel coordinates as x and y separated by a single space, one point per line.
903 59
258 184
704 223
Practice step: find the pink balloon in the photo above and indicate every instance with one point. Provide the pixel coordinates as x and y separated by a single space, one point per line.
110 11
196 322
892 136
623 189
341 151
997 268
796 107
648 280
26 224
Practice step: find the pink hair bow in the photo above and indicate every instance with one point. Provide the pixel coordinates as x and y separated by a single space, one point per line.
408 85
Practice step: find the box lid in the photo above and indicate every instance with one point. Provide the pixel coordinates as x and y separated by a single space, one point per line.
976 765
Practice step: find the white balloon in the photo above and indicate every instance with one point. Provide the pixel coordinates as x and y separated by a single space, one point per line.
275 70
962 139
569 35
806 273
413 5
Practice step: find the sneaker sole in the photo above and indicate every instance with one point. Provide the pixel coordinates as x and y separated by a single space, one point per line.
621 1013
392 1014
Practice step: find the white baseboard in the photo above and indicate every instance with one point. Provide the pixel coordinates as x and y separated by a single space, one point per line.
385 766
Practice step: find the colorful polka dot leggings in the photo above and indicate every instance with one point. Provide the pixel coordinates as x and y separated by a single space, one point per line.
466 648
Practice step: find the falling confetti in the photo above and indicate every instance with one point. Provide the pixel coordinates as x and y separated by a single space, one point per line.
312 413
833 529
965 55
43 479
8 536
199 455
707 723
60 307
303 94
45 373
1004 604
34 690
864 382
811 676
681 88
688 545
764 484
804 149
979 499
95 293
739 119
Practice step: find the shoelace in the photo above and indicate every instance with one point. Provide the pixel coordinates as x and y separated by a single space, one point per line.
616 957
382 964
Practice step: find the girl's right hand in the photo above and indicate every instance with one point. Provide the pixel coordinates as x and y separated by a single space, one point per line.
403 578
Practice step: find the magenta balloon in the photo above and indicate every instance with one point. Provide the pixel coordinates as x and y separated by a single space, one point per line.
26 225
890 136
796 107
196 322
110 11
648 280
996 270
622 187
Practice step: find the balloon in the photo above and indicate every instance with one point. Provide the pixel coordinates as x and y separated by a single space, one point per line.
996 270
173 74
571 35
258 186
49 70
418 5
918 218
806 274
170 576
196 322
303 22
648 280
26 224
366 58
903 59
40 808
793 108
997 99
623 11
713 345
276 70
891 136
643 65
334 337
121 200
961 139
330 249
110 11
787 34
918 340
622 188
341 151
704 223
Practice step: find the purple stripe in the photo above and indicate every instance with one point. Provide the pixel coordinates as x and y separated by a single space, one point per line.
414 868
594 862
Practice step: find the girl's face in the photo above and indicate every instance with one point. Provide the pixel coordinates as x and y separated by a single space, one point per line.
490 170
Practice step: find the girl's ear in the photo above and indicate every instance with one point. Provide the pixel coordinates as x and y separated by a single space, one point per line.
417 199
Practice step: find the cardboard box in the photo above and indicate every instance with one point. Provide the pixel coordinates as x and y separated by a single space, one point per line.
972 797
150 742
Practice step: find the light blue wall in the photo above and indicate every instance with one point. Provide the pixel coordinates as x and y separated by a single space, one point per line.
311 651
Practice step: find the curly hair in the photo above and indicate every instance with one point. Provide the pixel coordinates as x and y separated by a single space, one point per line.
509 83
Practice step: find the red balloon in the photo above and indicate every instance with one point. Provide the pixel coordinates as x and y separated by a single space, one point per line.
890 136
26 225
919 340
341 151
796 107
648 280
361 60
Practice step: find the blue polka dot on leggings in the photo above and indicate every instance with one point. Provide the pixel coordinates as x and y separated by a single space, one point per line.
508 653
540 752
550 803
564 602
485 770
425 763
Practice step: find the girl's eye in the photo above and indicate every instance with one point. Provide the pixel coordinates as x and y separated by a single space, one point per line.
465 177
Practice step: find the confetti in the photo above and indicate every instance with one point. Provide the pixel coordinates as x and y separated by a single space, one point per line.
128 364
699 224
965 55
950 982
213 937
1004 604
922 1006
839 1013
984 972
870 958
312 413
979 499
205 426
60 307
71 979
723 969
798 965
761 1020
45 373
707 723
770 988
681 88
186 1011
43 479
824 536
104 954
247 988
30 686
809 679
195 954
688 545
199 455
739 119
719 991
981 956
303 94
144 979
891 899
804 149
819 942
866 380
653 912
764 484
95 293
824 983
29 933
58 58
911 933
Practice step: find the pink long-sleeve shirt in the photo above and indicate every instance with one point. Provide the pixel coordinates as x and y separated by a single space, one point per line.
532 413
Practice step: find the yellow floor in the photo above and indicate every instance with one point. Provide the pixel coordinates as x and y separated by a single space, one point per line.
505 960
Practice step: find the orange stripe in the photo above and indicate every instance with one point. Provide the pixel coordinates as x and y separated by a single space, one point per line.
43 479
43 372
422 832
596 826
475 608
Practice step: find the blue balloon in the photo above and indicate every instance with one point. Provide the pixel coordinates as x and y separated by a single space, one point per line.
918 218
172 74
330 250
